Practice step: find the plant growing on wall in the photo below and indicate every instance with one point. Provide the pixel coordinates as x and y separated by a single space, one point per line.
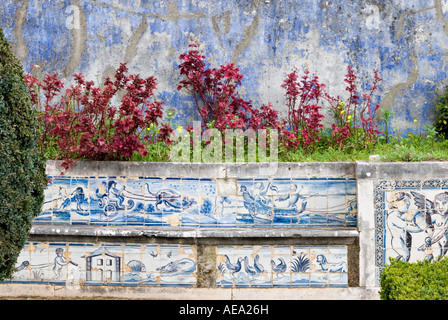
354 119
216 96
353 125
303 97
22 167
83 122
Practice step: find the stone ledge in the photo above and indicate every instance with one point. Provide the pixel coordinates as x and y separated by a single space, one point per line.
46 291
189 233
229 170
401 170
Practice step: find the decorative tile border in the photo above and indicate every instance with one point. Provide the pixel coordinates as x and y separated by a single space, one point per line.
189 202
282 266
410 220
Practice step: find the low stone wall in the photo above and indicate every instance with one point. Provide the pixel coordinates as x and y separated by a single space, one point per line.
141 227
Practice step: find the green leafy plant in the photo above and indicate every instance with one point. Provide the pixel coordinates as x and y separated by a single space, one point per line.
441 112
423 280
22 167
386 115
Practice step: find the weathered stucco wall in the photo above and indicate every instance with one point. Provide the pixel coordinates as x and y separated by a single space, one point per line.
405 40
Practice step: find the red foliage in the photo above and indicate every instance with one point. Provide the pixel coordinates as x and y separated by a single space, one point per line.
305 120
216 95
363 130
85 125
304 117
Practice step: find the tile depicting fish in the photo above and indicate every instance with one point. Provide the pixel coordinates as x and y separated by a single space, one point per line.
176 265
89 264
197 203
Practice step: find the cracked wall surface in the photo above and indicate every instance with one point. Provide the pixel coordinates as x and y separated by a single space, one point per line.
406 40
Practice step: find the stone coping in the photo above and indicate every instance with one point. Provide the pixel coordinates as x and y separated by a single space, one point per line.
189 233
401 170
206 170
354 169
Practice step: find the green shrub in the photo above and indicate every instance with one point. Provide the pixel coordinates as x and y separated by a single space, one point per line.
423 280
22 169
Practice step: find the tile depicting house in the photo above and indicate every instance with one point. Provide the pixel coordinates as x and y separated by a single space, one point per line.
176 265
93 264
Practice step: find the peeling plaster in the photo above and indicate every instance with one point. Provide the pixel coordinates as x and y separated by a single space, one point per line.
131 49
79 37
248 34
441 8
388 100
20 48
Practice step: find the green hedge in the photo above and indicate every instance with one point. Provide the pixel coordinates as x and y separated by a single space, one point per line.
22 167
423 280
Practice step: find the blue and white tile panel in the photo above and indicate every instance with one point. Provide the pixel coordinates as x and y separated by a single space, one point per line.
282 266
176 265
410 220
90 264
197 203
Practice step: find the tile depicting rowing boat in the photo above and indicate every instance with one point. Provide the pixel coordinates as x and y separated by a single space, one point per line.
197 203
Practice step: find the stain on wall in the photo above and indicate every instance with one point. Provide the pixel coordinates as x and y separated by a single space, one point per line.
405 40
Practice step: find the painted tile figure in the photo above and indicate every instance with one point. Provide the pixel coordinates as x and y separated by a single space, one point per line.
440 218
411 221
297 202
428 219
196 202
294 199
60 262
113 198
262 207
398 225
87 264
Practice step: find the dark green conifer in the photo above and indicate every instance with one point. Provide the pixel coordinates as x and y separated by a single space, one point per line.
22 166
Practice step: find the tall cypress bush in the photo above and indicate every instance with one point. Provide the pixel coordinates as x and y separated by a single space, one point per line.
22 167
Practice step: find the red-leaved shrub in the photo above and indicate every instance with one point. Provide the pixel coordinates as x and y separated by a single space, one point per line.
354 124
216 96
83 121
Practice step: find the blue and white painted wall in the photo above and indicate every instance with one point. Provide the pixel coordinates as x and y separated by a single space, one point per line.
405 40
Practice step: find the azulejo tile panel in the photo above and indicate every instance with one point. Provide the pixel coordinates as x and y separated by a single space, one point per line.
197 203
410 220
282 266
91 264
176 265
